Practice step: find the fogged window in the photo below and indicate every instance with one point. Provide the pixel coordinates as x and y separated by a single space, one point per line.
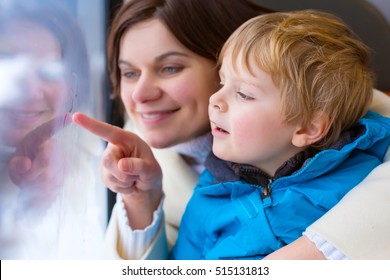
52 203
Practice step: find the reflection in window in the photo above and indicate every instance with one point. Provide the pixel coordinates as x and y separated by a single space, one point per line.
52 204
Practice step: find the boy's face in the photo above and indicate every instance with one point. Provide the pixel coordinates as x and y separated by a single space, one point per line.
247 120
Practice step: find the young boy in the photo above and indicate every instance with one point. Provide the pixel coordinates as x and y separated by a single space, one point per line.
291 132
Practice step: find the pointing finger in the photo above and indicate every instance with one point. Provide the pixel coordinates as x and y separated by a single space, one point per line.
107 132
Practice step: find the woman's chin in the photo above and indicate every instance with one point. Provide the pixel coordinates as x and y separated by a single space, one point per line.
157 142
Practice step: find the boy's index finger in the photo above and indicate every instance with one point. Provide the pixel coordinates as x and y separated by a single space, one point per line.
101 129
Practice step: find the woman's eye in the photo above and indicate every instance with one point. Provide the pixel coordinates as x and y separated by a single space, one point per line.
171 69
244 96
130 74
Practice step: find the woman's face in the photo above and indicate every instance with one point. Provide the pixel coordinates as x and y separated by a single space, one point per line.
164 86
34 87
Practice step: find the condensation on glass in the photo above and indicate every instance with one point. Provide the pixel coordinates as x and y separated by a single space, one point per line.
52 204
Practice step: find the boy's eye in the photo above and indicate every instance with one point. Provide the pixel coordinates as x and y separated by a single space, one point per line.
244 96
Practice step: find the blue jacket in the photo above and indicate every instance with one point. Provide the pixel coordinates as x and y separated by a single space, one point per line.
231 220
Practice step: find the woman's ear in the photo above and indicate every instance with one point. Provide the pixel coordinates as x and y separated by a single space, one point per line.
313 132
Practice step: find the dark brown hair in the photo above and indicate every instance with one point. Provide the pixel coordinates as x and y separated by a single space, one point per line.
202 26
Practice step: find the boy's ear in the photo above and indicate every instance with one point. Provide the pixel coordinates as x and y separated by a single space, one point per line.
314 131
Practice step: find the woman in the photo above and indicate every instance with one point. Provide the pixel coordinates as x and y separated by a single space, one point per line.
161 58
44 82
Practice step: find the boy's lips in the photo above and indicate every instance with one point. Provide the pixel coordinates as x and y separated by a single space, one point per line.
221 130
218 129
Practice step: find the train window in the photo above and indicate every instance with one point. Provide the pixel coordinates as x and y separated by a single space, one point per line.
52 203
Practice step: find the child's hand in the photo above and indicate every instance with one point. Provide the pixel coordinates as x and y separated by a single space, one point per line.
128 167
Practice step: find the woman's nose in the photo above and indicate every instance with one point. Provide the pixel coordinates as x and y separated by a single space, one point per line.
146 89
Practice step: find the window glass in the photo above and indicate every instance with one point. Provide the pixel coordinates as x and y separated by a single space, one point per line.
52 203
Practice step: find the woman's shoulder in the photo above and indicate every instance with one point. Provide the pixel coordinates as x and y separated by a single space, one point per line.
380 103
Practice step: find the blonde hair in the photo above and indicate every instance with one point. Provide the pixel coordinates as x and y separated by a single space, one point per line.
314 59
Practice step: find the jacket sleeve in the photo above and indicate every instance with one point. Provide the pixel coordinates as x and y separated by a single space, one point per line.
366 208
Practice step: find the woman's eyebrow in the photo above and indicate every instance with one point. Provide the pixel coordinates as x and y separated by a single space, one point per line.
158 58
168 54
123 62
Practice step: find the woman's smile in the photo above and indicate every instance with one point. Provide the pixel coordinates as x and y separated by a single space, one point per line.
155 116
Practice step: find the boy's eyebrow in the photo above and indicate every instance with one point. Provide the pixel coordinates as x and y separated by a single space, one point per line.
158 58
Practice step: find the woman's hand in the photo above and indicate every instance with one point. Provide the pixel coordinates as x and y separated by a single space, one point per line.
128 167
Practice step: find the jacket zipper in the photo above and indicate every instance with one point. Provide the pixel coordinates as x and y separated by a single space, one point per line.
266 191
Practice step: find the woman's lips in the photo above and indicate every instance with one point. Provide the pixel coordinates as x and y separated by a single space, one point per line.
156 116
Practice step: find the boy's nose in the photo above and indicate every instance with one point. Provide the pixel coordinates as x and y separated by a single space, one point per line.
217 103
